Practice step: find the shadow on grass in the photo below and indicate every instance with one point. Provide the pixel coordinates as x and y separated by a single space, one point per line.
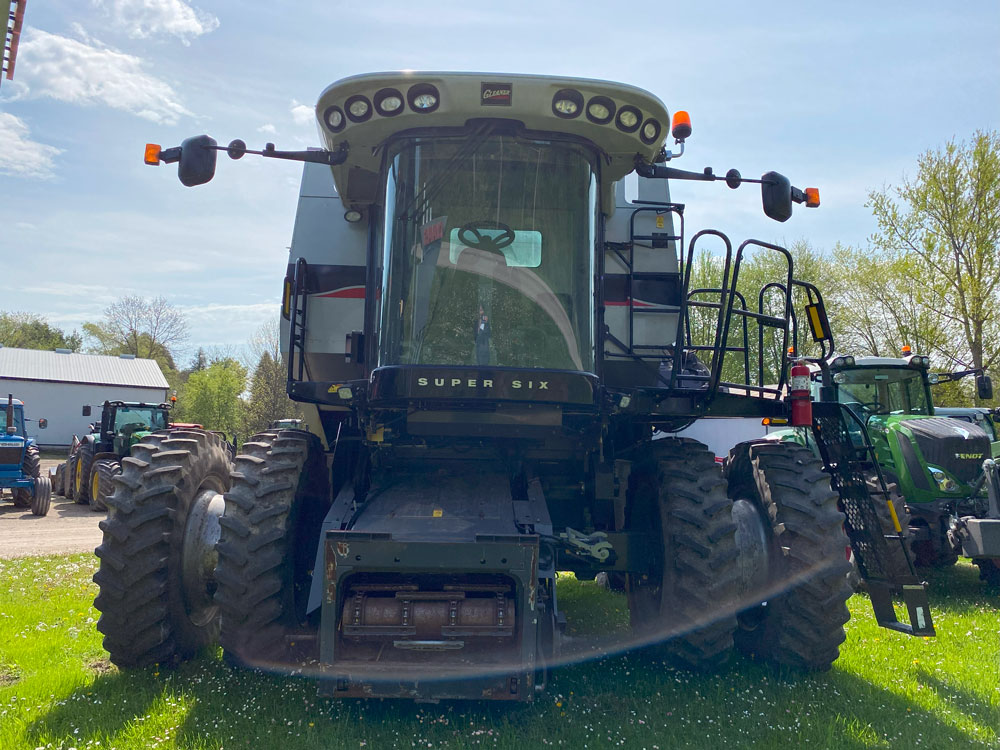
961 699
957 587
632 697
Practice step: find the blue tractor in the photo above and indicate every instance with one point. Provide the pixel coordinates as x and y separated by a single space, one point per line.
20 466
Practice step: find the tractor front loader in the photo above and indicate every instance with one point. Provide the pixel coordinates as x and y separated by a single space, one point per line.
486 336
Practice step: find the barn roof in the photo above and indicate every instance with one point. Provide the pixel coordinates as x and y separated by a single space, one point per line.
67 367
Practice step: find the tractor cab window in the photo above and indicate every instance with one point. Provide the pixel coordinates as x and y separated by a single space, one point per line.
488 253
135 419
882 390
18 419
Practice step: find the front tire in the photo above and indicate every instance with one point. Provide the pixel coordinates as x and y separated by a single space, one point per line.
82 463
804 581
102 483
270 529
158 555
989 570
42 499
681 494
31 466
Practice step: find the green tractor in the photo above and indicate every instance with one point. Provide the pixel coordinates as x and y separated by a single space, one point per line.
986 419
935 480
94 462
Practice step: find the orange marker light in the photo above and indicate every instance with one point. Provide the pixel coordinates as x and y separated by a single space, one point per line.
812 197
152 154
906 350
791 350
681 127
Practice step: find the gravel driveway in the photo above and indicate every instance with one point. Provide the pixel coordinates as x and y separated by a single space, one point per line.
67 528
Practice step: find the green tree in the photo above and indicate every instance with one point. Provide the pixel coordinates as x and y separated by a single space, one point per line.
268 399
947 219
24 330
212 396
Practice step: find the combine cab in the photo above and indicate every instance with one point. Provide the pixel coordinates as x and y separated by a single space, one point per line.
486 336
20 467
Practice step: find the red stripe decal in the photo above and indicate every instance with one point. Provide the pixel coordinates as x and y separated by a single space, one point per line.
348 292
625 303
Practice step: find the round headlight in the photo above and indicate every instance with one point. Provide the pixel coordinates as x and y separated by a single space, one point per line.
567 103
334 118
353 215
600 109
650 132
388 102
423 98
628 119
359 109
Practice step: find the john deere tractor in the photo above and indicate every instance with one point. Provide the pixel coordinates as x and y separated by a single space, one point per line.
96 459
20 466
485 335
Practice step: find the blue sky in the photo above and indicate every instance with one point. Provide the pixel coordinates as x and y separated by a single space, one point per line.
842 96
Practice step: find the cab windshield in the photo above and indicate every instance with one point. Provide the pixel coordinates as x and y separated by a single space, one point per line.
18 419
130 418
488 253
882 390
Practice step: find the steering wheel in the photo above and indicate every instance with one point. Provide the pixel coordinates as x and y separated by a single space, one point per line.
133 427
471 236
874 407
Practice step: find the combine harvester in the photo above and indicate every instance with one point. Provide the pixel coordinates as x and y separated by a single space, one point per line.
485 336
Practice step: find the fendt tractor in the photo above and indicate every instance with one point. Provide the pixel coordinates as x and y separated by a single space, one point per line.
20 465
485 333
934 469
96 459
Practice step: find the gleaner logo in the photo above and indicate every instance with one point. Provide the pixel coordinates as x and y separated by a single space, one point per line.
497 94
531 385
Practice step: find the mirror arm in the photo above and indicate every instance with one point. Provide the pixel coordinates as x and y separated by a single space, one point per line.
236 149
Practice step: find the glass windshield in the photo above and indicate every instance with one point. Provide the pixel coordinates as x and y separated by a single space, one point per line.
882 390
18 419
133 419
488 253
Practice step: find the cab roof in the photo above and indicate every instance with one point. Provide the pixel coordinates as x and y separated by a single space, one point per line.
525 99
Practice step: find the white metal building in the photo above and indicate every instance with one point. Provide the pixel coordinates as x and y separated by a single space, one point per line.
56 385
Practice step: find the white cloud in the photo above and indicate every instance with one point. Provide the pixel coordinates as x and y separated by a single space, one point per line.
21 156
141 19
302 113
268 129
88 73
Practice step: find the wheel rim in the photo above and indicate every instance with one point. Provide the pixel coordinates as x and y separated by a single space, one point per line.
753 542
199 556
78 475
95 483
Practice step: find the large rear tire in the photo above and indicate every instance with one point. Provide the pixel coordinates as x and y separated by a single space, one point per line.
83 460
782 488
102 483
270 529
158 555
31 466
690 596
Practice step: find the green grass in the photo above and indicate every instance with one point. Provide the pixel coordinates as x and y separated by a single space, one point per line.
886 691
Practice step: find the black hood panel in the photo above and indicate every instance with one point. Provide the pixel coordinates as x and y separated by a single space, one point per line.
955 446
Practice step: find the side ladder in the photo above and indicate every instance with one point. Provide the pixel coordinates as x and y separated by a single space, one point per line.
848 464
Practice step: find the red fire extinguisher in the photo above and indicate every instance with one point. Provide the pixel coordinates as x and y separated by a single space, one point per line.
801 398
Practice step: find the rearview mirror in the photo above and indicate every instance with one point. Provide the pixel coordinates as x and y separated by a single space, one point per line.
984 387
776 195
197 164
43 423
86 411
